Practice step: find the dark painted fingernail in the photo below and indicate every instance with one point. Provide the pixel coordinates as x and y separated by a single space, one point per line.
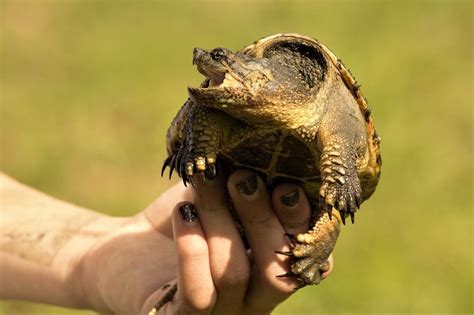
290 199
247 186
188 213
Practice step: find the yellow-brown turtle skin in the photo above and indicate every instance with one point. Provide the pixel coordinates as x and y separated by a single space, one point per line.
288 109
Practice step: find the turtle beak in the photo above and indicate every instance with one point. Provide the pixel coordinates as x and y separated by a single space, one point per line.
208 67
198 53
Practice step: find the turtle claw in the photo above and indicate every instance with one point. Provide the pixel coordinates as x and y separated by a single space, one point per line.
288 274
172 166
343 217
211 172
288 253
328 210
166 163
346 198
188 164
191 180
202 175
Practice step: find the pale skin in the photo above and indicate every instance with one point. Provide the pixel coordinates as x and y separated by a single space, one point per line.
58 253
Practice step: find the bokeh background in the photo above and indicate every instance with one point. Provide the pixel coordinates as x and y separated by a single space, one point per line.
88 89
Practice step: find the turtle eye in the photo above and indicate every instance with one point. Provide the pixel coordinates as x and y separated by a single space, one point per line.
217 54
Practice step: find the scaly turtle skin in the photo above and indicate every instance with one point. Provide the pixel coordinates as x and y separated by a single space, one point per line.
288 109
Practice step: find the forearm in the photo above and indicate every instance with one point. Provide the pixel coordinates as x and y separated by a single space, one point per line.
34 230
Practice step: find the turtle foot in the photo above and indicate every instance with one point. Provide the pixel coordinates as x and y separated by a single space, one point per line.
340 188
310 251
305 266
189 163
346 198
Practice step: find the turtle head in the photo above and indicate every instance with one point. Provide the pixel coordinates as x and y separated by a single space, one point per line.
270 84
232 78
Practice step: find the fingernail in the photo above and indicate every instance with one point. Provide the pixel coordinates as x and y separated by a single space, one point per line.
290 199
247 186
188 213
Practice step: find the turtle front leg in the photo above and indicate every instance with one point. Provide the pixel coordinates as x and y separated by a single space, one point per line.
340 187
196 150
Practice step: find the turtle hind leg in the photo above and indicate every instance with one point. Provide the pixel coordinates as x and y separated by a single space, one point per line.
311 250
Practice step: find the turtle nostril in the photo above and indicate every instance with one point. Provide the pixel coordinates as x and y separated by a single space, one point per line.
217 54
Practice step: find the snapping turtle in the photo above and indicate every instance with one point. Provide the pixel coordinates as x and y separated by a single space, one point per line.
287 108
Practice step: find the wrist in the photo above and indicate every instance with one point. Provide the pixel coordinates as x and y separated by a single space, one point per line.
74 264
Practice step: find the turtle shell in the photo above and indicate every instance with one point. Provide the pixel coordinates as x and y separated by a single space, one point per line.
370 173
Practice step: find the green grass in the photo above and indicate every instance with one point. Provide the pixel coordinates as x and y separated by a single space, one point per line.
88 89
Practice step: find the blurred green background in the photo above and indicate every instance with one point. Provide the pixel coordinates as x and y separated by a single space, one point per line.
88 89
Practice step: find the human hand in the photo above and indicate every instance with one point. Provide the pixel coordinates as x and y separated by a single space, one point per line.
127 270
216 274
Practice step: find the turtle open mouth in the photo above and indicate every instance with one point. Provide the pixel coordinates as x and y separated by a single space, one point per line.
214 78
216 70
